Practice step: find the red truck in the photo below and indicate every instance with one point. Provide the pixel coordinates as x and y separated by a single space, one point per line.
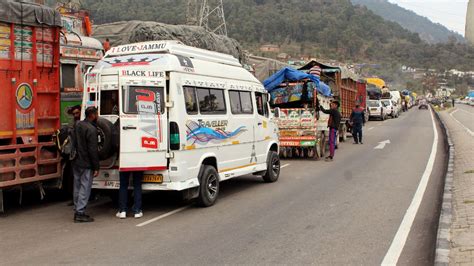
29 70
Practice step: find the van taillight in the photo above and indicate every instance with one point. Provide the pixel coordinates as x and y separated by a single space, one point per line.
174 136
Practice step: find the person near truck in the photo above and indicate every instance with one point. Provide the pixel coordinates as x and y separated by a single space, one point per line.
333 125
75 111
86 163
137 194
358 121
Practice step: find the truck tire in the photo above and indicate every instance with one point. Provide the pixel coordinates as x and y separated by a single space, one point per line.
344 133
105 129
273 168
322 146
209 186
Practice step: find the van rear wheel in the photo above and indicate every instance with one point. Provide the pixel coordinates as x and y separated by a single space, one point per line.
273 168
209 186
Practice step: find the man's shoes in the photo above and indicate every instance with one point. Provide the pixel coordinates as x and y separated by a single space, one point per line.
361 142
138 215
82 218
121 215
328 159
355 142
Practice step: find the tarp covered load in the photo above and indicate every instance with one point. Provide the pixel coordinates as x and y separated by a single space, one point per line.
380 83
28 14
264 67
290 74
126 32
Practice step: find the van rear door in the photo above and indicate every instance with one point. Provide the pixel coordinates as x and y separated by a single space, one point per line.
143 124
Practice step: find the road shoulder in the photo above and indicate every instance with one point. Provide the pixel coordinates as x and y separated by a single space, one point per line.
456 244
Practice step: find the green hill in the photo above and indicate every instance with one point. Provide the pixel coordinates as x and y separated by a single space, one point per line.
331 29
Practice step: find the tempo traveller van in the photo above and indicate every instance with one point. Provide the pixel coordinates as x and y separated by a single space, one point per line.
189 118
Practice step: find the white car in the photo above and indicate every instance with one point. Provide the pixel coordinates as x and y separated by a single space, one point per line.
187 118
376 109
393 110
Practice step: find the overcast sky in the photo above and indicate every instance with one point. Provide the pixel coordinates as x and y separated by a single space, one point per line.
450 13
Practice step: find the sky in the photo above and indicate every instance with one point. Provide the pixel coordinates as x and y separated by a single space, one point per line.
450 13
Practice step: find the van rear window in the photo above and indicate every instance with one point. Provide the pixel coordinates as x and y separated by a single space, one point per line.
143 99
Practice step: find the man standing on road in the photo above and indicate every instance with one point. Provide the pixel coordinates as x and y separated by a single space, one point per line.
358 121
333 125
86 164
137 194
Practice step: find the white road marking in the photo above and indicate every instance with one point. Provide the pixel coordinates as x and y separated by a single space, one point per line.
370 128
396 248
163 216
465 111
465 128
176 211
382 144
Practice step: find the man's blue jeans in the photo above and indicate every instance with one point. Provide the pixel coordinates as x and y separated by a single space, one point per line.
137 191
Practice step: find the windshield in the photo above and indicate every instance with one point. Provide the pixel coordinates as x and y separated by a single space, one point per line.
373 104
386 102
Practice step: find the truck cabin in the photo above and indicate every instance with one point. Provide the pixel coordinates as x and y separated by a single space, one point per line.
79 52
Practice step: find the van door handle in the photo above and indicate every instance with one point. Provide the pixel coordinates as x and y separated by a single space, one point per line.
128 127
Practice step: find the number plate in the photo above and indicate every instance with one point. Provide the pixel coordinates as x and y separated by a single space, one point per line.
373 109
148 178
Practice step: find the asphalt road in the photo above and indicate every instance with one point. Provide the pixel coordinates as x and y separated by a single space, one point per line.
343 212
464 114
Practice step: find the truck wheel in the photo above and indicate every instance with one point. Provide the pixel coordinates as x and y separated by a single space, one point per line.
344 133
105 130
322 146
209 186
273 168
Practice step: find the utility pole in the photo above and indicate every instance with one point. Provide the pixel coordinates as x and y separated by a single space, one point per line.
208 14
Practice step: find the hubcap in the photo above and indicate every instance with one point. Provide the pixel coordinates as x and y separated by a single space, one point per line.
276 166
212 186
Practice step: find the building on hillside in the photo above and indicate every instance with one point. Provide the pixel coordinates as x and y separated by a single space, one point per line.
270 48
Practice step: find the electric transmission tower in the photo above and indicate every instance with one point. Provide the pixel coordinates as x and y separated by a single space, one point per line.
208 14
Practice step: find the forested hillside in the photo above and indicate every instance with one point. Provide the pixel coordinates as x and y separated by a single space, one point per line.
332 29
428 31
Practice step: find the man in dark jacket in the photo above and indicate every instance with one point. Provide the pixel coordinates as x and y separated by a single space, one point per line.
333 125
358 120
86 164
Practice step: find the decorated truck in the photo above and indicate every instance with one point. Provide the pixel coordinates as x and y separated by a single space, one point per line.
343 84
29 82
296 97
78 52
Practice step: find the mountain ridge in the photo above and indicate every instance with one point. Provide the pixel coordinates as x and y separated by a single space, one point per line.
428 30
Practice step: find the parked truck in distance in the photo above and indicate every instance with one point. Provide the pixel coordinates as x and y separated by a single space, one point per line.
296 95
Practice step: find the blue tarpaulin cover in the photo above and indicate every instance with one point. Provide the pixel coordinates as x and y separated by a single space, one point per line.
290 74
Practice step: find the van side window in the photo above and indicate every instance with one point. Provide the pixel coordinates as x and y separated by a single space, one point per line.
262 106
211 101
143 99
190 100
241 102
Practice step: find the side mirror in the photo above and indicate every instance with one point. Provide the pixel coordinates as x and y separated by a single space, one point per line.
277 112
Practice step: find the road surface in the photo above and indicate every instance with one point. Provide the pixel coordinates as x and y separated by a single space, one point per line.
348 211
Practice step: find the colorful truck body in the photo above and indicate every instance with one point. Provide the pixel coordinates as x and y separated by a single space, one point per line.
29 70
79 52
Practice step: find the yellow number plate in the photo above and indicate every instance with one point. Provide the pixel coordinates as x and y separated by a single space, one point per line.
152 178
